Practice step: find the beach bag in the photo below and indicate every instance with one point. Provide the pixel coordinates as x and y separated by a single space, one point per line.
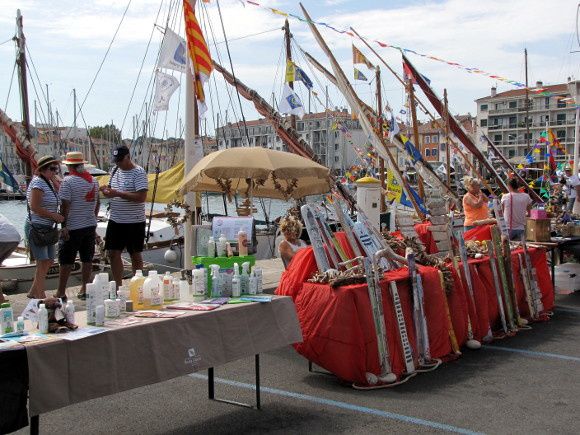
43 236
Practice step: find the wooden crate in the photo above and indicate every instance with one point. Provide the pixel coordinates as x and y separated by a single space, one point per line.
538 230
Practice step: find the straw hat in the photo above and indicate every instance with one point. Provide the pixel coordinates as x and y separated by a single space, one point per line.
45 161
74 158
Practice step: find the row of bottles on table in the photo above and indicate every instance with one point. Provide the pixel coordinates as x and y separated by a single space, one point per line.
42 317
236 284
222 247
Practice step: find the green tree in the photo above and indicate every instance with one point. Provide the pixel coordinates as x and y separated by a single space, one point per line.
107 132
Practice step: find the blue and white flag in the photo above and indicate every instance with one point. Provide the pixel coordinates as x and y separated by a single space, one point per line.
359 75
173 52
290 103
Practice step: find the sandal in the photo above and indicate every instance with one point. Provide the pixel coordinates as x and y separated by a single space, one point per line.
82 296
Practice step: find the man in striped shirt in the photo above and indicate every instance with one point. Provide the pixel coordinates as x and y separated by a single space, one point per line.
127 190
79 194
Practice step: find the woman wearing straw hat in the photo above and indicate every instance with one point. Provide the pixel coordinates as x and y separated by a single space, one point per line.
79 194
43 202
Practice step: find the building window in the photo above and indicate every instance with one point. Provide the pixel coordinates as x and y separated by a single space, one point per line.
497 138
483 123
336 158
561 104
483 107
427 139
299 126
513 104
511 153
561 117
547 102
561 135
434 152
335 147
434 139
427 152
442 147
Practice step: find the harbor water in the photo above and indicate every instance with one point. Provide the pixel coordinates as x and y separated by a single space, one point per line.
15 210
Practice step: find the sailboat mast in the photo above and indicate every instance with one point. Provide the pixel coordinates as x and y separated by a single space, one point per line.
21 62
287 36
413 108
527 103
380 129
447 149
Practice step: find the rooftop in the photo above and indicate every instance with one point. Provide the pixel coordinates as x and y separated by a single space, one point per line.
561 88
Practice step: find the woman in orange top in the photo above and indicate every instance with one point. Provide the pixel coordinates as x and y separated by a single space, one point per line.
474 203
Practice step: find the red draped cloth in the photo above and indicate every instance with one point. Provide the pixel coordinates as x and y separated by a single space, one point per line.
337 325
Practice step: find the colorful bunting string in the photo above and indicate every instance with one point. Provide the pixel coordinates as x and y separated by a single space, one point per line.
471 70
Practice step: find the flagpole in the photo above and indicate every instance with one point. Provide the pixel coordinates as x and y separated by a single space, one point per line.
190 156
380 129
287 36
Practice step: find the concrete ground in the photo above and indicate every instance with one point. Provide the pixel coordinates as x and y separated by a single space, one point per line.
529 383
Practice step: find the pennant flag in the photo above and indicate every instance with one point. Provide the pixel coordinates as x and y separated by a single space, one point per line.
359 75
172 54
407 202
413 152
358 57
198 53
7 178
394 126
408 75
290 103
294 73
165 86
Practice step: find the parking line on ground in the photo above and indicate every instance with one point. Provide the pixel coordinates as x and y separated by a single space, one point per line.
534 353
343 405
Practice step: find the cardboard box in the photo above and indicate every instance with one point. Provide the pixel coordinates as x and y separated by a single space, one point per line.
538 230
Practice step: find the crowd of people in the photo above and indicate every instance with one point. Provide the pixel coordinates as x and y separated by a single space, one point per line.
73 204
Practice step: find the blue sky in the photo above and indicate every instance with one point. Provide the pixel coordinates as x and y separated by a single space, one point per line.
67 40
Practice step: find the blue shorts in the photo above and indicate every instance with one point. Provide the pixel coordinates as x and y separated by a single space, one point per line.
39 252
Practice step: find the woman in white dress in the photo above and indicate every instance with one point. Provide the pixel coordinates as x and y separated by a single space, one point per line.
291 228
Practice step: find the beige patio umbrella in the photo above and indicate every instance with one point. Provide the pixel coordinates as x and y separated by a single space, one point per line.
259 172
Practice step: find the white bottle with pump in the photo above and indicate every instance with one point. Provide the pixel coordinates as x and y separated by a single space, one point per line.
216 287
221 246
211 247
236 288
42 319
152 290
245 278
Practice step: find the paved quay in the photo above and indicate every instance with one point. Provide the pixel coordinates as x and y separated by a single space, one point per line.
529 383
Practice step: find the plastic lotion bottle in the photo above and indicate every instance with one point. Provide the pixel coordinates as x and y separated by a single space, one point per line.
7 320
245 278
112 290
151 290
20 325
184 294
175 289
69 312
221 246
211 247
236 289
91 303
167 287
215 281
242 243
42 319
253 284
100 315
136 290
258 273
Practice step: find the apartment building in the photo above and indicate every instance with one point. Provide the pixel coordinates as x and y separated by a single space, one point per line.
515 128
332 135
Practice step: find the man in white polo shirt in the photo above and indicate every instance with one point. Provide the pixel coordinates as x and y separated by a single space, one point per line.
79 195
127 190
